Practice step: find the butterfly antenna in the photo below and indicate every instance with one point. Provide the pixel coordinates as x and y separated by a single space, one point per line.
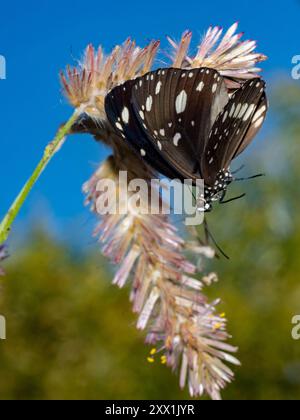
233 199
250 177
238 170
209 235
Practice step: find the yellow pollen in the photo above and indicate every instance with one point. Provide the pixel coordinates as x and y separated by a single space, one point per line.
223 315
218 326
164 360
150 360
153 352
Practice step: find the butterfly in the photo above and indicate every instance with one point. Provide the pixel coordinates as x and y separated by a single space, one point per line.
186 125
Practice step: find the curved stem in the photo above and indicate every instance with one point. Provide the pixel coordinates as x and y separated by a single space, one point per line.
49 152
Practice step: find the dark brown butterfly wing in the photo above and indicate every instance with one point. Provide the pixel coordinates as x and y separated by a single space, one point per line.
256 124
177 109
123 119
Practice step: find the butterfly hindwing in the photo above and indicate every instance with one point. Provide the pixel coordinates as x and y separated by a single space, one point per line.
256 123
234 128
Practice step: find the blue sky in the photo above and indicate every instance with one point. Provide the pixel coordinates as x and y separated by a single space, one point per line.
38 38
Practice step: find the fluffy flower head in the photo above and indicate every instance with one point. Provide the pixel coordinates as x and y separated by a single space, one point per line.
231 56
97 74
185 328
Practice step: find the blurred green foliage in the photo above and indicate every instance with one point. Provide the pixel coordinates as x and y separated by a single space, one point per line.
71 334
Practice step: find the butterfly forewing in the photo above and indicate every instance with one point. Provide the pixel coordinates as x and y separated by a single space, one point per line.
177 109
121 115
234 128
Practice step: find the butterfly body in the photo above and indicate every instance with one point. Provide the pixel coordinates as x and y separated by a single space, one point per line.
217 192
186 125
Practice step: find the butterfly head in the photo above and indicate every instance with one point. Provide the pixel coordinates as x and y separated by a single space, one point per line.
216 192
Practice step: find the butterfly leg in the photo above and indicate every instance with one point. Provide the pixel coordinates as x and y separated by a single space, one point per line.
209 236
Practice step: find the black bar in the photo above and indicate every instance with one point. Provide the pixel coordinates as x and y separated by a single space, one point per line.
138 409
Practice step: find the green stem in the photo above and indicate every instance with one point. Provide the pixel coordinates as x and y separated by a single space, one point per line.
49 152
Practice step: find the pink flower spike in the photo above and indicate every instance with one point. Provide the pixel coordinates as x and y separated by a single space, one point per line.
170 302
223 54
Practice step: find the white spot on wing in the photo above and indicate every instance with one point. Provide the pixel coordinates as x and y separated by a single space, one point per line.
200 87
176 139
232 110
237 111
149 103
249 112
214 88
259 122
125 115
181 102
143 153
243 110
259 113
158 87
225 116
